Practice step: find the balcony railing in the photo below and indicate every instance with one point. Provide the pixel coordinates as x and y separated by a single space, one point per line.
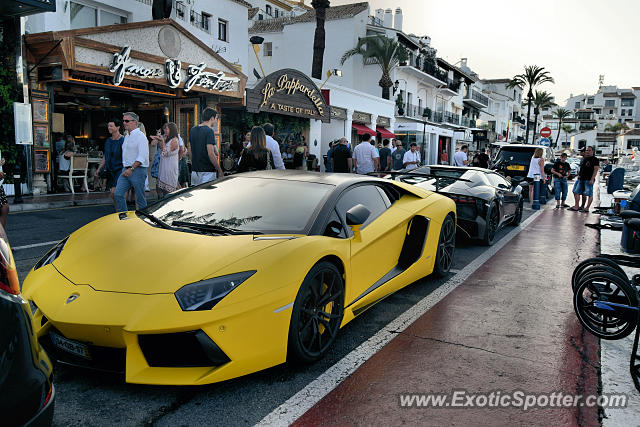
197 20
453 85
375 21
179 10
434 71
468 122
477 96
451 118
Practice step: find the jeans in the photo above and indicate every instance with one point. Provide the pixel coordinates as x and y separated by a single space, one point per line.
560 186
135 180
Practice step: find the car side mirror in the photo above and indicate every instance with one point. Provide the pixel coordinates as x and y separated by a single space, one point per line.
356 216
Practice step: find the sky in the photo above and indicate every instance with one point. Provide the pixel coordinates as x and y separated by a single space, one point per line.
575 40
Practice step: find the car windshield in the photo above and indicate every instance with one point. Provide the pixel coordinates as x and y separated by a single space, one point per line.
246 204
515 155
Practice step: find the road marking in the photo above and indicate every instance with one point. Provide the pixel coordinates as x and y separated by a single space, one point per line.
35 245
287 413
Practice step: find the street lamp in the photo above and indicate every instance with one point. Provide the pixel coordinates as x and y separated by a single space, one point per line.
425 116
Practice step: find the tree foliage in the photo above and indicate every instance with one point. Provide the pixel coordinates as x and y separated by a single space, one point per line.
8 94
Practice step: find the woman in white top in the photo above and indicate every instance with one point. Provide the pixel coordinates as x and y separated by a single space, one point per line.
536 167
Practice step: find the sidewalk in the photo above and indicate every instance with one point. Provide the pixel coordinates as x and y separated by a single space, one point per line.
510 326
63 200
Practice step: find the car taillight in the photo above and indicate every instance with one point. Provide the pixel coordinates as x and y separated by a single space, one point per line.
462 199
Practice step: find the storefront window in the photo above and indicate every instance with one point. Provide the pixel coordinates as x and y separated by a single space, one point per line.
83 16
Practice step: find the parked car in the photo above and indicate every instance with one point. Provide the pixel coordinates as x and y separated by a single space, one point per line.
512 160
485 200
235 276
26 379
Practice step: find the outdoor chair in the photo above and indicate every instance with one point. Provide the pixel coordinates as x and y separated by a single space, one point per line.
78 170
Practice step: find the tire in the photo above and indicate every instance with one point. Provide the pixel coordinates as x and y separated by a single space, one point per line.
317 314
606 323
493 221
595 270
606 262
446 247
517 218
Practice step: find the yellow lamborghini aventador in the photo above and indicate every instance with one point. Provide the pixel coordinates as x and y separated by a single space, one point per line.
235 276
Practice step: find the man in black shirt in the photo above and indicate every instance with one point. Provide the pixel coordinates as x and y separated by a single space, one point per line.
560 172
483 160
584 184
202 150
385 156
341 157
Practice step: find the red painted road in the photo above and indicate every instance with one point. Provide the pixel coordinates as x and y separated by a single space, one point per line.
510 326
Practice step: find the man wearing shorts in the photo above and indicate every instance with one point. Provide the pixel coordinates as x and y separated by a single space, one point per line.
584 184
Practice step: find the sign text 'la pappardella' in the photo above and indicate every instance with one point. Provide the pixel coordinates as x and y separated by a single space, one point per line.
288 92
121 65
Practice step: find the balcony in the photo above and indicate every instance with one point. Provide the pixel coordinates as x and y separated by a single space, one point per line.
468 122
451 89
452 119
179 11
199 21
425 72
476 99
416 112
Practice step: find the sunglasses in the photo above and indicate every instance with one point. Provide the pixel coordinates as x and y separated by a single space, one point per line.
127 121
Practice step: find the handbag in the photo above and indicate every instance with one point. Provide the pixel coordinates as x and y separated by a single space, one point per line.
155 166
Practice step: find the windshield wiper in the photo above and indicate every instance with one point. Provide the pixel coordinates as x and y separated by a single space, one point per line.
154 219
215 228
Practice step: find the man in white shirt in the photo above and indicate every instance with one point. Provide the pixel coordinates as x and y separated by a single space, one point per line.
411 158
461 158
135 161
273 146
365 156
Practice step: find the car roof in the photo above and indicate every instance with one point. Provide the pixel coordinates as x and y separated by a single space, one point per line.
470 168
523 146
337 179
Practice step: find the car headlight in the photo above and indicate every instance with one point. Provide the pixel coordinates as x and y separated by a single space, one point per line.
207 293
51 256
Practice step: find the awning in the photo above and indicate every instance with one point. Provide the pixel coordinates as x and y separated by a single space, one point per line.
385 133
362 129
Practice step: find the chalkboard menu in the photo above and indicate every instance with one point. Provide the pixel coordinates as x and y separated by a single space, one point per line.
41 160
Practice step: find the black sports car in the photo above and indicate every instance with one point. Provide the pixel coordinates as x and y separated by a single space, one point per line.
513 161
485 200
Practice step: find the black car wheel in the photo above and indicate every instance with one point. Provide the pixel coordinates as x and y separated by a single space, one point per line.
317 313
517 218
446 247
493 220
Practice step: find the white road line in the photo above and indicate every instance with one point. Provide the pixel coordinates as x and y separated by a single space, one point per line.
35 245
305 399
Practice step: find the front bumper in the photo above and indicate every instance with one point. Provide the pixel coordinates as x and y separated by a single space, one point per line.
125 332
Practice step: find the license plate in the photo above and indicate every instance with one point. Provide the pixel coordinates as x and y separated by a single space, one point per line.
515 168
70 346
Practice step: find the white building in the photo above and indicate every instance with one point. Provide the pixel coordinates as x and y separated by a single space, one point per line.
504 114
221 25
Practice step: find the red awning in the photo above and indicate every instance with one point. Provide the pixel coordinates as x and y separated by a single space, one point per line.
385 133
362 129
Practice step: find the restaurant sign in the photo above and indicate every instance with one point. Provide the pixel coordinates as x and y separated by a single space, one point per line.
121 65
289 92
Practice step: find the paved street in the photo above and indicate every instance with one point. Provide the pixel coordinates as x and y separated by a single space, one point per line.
92 398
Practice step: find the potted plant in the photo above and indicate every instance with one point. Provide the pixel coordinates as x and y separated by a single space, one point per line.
400 104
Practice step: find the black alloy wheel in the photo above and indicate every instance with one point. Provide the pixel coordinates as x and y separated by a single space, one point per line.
317 314
517 218
493 220
446 247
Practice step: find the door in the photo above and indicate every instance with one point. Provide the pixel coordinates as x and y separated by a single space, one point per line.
507 198
377 251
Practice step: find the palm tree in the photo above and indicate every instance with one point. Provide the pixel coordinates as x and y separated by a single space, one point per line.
383 51
617 128
533 76
567 130
541 101
561 114
320 7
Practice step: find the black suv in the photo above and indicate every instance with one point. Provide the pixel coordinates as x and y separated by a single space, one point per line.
512 160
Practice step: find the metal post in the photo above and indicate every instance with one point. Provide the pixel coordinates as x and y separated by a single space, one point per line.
543 192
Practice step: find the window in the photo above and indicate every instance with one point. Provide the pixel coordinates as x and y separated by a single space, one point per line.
334 227
636 126
577 105
368 195
268 9
590 100
496 180
630 112
610 111
597 110
108 18
223 27
268 49
633 143
553 125
260 17
276 13
83 16
610 103
206 22
623 111
627 102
